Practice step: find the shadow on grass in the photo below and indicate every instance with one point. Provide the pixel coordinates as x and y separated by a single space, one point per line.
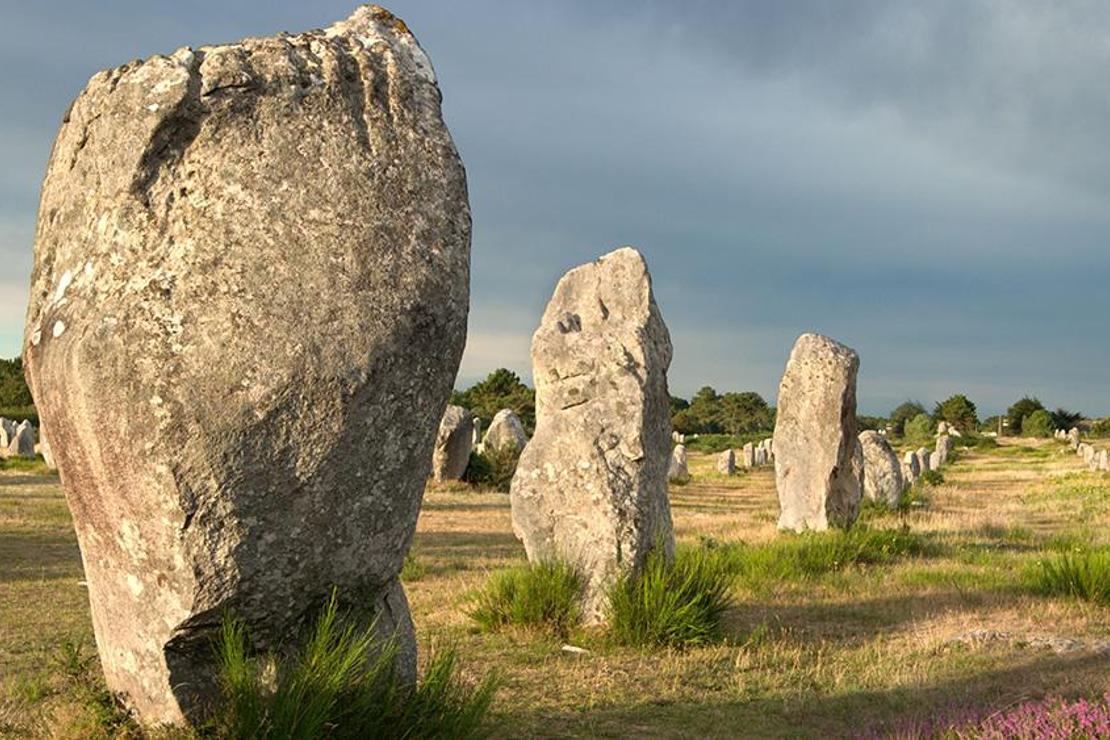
476 545
32 556
810 710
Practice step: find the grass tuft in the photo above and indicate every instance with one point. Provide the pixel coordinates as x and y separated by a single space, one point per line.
1080 574
677 604
342 683
543 596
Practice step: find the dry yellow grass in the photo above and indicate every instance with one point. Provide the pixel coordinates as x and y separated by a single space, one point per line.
832 654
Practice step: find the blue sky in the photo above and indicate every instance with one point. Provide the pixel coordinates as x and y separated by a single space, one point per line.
928 182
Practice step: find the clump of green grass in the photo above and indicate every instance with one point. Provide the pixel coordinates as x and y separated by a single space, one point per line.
413 569
342 683
672 604
545 596
1080 574
931 478
801 557
493 468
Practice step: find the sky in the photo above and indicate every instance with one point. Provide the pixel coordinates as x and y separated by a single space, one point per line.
927 182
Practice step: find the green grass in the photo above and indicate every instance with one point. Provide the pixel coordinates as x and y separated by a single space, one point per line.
1080 574
413 569
34 465
677 604
540 596
342 683
803 557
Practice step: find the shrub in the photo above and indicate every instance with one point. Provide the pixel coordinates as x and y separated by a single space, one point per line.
1016 414
931 478
920 429
1101 428
671 604
493 468
341 683
1037 424
900 416
1078 574
501 389
958 410
545 596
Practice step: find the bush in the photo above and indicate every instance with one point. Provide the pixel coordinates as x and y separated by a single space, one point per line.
1037 424
544 596
1079 574
1016 414
677 604
1101 428
902 415
931 478
493 468
958 410
342 683
714 443
919 430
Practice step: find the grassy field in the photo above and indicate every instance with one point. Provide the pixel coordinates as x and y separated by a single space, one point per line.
820 640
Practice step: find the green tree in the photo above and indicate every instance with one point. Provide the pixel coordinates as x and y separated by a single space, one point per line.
958 410
875 423
739 413
502 389
1037 424
919 429
13 388
904 413
1064 419
1016 414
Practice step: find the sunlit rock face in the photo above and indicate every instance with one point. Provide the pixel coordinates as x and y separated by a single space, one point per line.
248 307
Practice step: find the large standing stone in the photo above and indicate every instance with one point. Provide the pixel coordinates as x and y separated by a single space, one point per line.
248 307
46 450
505 431
818 464
726 463
22 443
7 430
454 440
882 473
591 486
1073 437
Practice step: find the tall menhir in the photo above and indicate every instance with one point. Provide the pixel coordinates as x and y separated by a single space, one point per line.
247 311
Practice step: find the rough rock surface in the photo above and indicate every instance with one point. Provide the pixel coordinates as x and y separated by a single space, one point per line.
935 460
505 431
591 486
818 464
46 450
882 473
248 307
1073 437
678 468
726 462
454 441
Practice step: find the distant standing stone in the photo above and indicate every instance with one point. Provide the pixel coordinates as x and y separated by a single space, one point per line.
924 458
882 473
747 456
591 486
678 470
911 467
454 441
726 462
1104 460
936 462
818 462
22 443
942 427
1073 437
944 449
505 431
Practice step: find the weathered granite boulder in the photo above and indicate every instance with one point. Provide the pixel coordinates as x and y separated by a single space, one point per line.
7 430
505 431
22 443
942 427
818 463
726 463
924 457
944 448
476 436
46 450
747 456
248 306
1104 460
591 486
760 457
1087 452
882 473
678 469
935 460
454 441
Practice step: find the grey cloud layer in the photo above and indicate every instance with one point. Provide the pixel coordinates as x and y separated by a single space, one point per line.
925 181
